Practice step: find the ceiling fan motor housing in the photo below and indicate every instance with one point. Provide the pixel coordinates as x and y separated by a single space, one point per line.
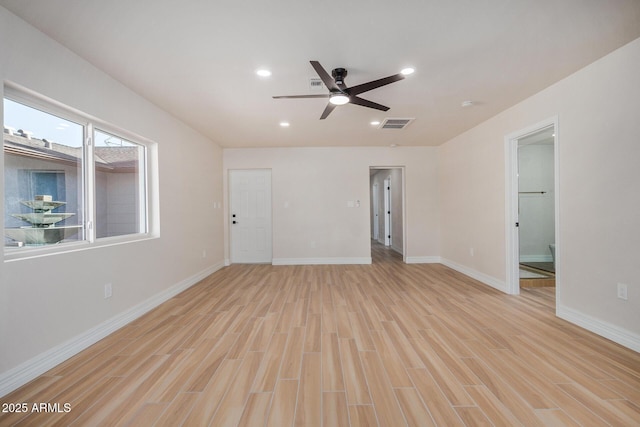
339 75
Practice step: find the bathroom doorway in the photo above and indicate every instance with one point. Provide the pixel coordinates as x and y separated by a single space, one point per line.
536 210
532 200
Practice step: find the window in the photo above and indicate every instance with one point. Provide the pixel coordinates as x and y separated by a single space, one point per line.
120 185
68 178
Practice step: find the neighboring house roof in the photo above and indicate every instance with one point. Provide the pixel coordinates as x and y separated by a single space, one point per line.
115 159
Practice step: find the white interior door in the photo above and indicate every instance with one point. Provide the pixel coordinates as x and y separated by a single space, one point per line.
250 215
376 208
387 212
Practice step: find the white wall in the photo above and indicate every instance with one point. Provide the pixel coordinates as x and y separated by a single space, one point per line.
599 153
317 183
48 302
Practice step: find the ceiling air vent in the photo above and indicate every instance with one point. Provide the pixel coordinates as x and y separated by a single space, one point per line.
395 123
316 85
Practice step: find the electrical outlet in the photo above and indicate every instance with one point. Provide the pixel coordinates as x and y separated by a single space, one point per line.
622 291
471 251
204 253
107 290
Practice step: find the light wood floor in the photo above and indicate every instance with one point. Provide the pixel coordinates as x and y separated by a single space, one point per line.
385 344
537 282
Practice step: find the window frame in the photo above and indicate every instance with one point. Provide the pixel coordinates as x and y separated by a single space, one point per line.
87 182
143 187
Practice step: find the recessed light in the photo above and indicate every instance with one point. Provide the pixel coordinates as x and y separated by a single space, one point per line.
375 123
467 103
263 72
407 71
284 124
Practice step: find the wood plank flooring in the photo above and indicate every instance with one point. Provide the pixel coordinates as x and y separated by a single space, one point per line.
548 281
386 344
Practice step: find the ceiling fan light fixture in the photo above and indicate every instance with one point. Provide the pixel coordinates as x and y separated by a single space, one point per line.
340 94
339 99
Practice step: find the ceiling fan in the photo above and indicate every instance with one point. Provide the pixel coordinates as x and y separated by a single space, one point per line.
340 94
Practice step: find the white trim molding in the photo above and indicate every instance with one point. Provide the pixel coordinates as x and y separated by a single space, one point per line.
38 365
607 330
512 252
423 260
320 261
474 274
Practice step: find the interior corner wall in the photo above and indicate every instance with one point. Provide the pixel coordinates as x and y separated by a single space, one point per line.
311 188
599 195
48 302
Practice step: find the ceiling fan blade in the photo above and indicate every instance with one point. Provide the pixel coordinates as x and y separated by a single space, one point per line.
365 103
324 76
364 87
329 108
300 96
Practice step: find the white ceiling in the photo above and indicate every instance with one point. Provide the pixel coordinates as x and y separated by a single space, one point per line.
197 59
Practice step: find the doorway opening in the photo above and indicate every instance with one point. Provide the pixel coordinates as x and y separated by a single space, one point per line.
532 204
387 219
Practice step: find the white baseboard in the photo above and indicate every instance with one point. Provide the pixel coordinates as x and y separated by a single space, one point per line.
41 363
607 330
423 260
536 258
320 261
474 274
616 334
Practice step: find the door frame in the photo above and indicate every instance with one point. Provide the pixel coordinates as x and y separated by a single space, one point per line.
403 174
511 204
